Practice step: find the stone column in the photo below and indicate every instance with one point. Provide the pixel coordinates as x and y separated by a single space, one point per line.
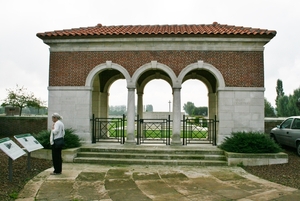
212 105
176 117
140 106
130 116
104 105
96 96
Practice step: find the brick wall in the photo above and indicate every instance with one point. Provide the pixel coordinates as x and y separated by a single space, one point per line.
239 69
10 126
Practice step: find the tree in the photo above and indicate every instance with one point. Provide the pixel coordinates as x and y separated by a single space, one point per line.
200 111
279 91
37 103
189 108
298 103
282 106
196 111
269 109
292 108
19 97
117 110
286 105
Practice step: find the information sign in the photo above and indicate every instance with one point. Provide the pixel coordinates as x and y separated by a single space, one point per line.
11 148
28 142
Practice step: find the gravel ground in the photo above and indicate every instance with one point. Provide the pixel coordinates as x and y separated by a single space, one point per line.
20 175
286 174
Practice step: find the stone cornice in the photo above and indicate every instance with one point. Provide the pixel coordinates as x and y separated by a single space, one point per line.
69 88
157 44
235 89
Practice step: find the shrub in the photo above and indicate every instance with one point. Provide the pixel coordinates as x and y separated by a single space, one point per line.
252 142
71 139
200 121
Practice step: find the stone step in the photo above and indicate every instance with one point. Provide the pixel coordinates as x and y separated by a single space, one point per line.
131 161
152 156
155 151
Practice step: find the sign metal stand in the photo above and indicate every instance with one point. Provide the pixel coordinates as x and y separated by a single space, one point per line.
30 144
13 151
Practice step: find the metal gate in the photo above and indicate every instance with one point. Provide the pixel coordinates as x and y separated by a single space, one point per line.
108 130
199 131
153 131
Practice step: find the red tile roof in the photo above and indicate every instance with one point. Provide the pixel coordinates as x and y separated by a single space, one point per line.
202 29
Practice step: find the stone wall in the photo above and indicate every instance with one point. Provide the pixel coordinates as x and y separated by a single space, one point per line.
10 126
159 115
272 122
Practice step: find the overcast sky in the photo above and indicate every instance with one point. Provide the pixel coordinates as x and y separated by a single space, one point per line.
24 58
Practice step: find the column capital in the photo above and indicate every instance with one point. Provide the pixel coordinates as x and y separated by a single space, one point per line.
176 88
130 88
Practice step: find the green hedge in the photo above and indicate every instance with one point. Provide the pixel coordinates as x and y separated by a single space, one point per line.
71 139
249 142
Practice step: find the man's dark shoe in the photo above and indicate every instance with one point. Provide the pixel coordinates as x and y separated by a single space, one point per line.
54 173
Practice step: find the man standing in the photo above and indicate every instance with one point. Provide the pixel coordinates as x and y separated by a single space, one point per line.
56 140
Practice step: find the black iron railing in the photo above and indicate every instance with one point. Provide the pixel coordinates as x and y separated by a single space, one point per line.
153 131
199 131
108 129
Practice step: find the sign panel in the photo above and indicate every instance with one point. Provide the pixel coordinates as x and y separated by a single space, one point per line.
28 142
11 148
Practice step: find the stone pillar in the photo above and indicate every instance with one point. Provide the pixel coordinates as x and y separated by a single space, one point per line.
96 96
130 116
140 106
212 105
104 105
176 117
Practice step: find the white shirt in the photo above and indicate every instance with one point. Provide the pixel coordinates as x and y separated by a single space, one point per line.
57 132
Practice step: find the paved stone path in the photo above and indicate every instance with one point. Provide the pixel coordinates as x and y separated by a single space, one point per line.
157 183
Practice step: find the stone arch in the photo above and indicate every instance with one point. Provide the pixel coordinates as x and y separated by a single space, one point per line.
202 66
201 78
99 93
106 66
111 81
148 72
141 87
152 66
213 81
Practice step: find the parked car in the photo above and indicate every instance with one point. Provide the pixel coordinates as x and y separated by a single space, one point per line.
288 133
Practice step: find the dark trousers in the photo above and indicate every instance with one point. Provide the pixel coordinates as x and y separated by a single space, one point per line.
57 160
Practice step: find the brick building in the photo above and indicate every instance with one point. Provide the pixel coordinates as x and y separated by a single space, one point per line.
84 62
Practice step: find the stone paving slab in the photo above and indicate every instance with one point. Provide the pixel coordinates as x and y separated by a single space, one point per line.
152 183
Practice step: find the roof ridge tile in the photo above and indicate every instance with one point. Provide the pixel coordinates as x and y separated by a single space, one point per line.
179 29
